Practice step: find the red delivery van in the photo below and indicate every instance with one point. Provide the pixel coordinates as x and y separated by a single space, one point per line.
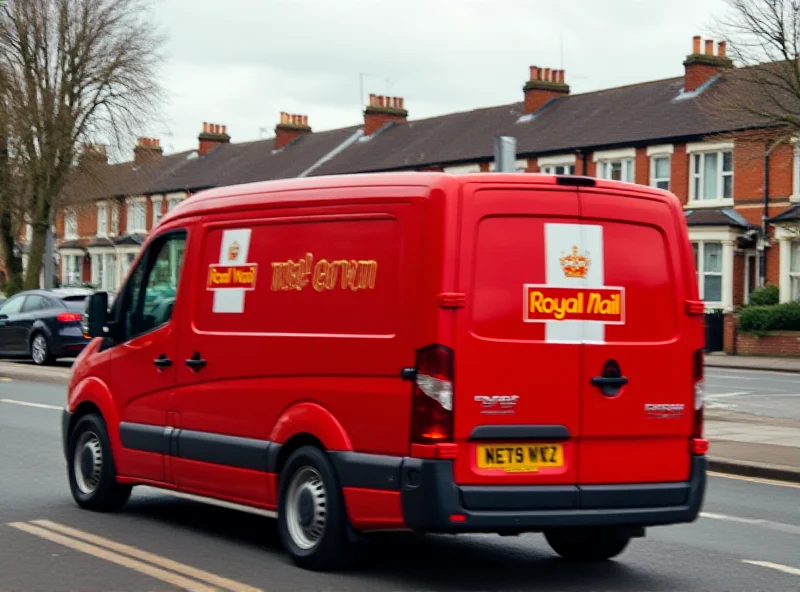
491 353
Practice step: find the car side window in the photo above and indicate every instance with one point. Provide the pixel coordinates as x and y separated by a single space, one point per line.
13 306
33 303
154 286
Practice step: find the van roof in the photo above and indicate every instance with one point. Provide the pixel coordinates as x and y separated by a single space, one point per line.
275 192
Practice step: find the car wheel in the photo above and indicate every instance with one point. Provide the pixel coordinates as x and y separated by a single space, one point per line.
312 520
588 544
90 464
40 350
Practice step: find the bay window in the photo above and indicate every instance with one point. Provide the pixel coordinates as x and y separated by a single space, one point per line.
708 262
794 270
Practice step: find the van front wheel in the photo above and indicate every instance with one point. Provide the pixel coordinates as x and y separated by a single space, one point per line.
312 520
587 544
92 473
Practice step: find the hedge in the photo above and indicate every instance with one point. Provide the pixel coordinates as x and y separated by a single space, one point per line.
761 319
766 296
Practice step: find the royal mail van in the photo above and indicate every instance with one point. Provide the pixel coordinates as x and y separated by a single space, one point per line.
490 353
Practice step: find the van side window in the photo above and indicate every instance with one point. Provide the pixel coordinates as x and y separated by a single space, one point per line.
154 285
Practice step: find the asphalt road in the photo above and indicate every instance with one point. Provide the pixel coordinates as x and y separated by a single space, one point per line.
769 394
747 539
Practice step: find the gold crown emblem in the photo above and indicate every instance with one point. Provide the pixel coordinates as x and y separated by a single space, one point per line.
575 265
233 251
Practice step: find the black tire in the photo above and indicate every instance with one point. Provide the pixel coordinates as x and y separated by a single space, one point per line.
98 489
47 359
333 549
587 544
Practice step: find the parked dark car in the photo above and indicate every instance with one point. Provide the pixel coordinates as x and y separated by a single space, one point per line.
43 325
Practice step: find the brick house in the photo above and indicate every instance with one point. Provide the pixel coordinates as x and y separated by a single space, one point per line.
660 133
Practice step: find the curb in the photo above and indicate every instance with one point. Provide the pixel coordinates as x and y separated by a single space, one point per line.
749 365
745 468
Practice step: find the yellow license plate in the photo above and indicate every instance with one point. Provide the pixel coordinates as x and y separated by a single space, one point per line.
520 458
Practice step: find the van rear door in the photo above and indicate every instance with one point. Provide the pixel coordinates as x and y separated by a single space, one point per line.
517 382
637 432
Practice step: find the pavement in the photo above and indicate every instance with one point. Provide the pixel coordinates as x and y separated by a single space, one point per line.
721 360
746 539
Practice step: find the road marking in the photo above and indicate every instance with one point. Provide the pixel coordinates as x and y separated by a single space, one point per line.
181 568
154 572
755 480
6 379
777 566
726 395
27 404
779 526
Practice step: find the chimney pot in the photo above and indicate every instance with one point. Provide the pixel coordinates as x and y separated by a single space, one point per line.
224 128
709 47
721 49
373 100
534 72
402 103
547 74
205 127
696 44
305 120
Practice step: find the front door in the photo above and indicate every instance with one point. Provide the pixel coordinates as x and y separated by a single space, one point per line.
143 366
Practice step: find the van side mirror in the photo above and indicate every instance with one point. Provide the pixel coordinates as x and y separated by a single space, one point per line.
98 314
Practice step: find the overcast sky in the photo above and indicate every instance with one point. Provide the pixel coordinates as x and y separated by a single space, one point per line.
241 62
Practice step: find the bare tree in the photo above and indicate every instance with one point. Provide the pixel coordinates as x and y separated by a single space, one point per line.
76 72
763 38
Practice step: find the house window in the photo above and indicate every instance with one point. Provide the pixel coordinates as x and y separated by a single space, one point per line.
712 176
172 203
137 216
659 172
616 170
156 210
71 272
708 262
794 270
70 225
102 220
560 169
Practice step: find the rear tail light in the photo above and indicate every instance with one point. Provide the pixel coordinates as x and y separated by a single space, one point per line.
69 317
432 412
699 444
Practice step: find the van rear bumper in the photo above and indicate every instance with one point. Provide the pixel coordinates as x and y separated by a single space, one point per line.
430 497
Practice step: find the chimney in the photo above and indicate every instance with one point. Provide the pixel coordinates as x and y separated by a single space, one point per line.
212 136
544 84
147 148
289 128
701 67
381 110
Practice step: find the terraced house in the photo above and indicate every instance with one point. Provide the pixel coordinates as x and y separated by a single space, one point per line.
663 133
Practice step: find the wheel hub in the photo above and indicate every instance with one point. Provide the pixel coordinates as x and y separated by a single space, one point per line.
88 462
306 507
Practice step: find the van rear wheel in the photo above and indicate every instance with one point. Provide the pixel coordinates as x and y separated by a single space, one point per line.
587 544
312 520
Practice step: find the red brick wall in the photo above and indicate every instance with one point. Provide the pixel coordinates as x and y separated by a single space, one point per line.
642 172
779 344
534 99
738 278
697 74
748 169
679 173
780 171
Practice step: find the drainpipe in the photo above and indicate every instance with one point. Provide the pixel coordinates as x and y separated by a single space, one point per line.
762 272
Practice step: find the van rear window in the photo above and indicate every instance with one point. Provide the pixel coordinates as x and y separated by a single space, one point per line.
633 296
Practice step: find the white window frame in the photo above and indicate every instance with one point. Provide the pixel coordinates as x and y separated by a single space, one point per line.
556 160
173 201
70 225
606 159
655 153
102 218
520 165
795 171
136 215
156 199
701 149
726 236
558 169
68 275
785 237
463 169
702 274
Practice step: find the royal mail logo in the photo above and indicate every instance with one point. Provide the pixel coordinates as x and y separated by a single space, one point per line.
575 265
233 251
549 303
242 277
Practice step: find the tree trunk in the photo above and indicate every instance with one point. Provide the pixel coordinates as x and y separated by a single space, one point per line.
13 262
35 257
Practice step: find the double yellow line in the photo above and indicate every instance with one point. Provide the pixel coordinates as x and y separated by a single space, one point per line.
174 573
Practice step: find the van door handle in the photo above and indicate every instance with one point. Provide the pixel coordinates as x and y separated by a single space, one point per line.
196 362
609 385
162 361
